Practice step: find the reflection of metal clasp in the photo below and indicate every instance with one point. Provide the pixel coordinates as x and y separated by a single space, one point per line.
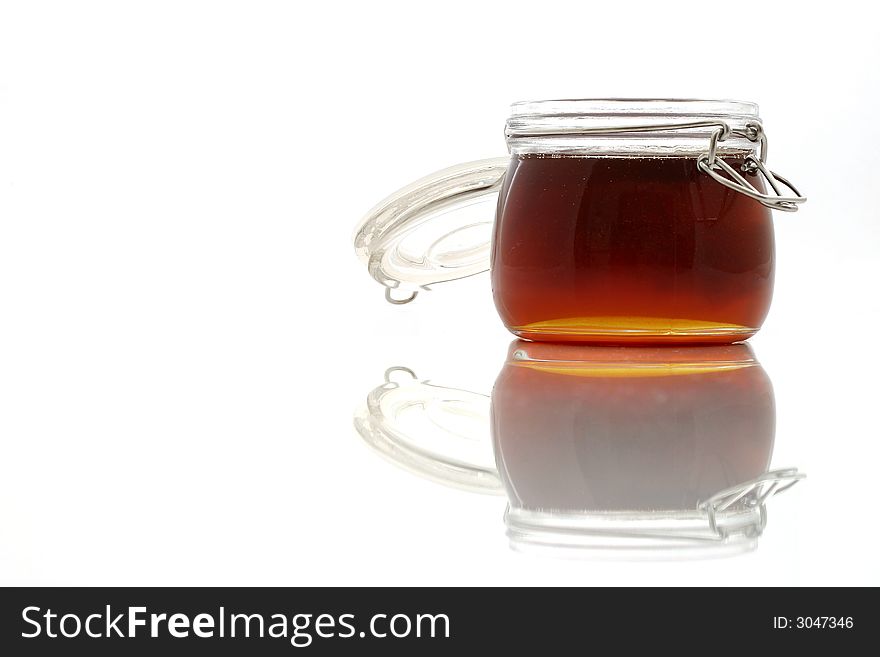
749 495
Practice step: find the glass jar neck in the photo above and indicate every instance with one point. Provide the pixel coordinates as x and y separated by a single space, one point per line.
629 127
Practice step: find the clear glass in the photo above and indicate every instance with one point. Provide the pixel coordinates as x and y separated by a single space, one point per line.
544 127
621 238
614 224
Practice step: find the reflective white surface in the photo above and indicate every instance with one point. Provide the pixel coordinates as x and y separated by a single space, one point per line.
601 452
186 331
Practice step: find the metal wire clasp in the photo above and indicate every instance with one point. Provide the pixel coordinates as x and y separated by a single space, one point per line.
709 162
714 166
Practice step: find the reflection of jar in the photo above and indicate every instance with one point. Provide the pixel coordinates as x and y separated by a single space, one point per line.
650 451
605 429
618 221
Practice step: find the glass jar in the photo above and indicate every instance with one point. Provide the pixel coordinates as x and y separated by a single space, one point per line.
617 221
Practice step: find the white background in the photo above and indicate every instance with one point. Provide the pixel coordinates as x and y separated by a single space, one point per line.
185 330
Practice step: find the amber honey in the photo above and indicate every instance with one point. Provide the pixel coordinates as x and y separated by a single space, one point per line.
629 250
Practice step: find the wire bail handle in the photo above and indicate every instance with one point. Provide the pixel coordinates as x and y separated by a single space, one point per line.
712 165
708 163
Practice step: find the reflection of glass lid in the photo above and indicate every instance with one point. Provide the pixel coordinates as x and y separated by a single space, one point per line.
436 432
634 452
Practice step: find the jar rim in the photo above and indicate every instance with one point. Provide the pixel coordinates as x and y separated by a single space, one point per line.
630 127
635 106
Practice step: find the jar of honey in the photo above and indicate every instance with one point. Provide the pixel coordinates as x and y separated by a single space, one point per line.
617 222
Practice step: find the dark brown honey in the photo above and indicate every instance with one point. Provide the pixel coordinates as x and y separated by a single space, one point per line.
629 250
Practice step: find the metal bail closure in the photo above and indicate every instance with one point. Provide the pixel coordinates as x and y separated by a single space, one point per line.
714 166
708 162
